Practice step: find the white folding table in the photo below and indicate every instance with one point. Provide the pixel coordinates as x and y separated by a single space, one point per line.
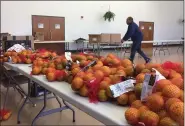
28 100
106 112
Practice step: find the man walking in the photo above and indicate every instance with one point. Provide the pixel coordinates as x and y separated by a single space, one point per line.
136 36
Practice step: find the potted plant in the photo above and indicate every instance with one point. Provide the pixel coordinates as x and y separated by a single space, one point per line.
109 15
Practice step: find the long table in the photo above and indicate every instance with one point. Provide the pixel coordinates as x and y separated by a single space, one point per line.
118 43
106 112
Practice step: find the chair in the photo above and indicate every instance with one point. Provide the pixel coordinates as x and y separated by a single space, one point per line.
162 47
126 49
10 78
181 46
80 41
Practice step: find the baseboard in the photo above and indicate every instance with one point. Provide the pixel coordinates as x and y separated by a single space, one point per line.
111 48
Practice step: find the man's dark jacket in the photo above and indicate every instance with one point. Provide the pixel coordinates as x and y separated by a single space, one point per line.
134 33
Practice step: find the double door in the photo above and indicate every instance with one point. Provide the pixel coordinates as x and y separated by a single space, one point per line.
52 28
147 29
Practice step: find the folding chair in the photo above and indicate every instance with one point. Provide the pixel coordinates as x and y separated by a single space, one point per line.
12 79
181 46
91 46
162 47
126 49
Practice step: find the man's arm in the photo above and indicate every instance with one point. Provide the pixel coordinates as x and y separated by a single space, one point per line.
129 33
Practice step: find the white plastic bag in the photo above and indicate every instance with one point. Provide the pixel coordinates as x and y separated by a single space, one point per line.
122 87
16 47
147 88
68 56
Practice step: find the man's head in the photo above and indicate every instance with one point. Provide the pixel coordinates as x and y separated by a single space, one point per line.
129 20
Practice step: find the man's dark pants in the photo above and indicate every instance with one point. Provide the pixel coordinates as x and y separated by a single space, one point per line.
136 47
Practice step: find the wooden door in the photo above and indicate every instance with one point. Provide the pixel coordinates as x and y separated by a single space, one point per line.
57 28
53 28
147 28
40 24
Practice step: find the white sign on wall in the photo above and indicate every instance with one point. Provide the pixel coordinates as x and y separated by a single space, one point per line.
57 26
40 25
94 39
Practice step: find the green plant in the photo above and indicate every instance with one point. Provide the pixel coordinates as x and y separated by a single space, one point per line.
109 15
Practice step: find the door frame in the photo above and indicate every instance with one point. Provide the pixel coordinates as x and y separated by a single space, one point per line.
148 22
48 16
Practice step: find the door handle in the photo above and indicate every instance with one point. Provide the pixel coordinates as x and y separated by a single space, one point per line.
51 34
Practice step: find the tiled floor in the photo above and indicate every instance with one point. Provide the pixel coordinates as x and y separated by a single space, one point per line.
65 117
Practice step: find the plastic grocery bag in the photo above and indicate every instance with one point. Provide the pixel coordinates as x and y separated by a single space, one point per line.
68 56
178 67
5 114
93 88
149 83
160 76
122 87
16 47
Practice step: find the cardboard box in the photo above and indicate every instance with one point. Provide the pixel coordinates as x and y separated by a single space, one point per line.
94 38
105 38
4 36
39 36
115 38
11 40
20 38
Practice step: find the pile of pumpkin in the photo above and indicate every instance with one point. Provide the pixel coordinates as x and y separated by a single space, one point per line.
26 56
165 106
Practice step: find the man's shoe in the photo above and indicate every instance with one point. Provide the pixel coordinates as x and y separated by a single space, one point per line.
130 60
148 60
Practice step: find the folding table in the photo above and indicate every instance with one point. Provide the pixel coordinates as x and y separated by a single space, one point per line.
106 112
28 99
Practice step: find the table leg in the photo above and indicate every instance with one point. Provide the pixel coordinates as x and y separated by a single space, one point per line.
44 113
179 48
41 109
83 47
58 100
88 47
20 92
124 51
93 48
121 49
156 48
162 49
167 48
6 95
20 88
70 109
98 48
65 47
182 46
24 103
68 46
